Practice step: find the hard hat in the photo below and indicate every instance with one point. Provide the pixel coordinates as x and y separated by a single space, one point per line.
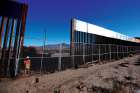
27 57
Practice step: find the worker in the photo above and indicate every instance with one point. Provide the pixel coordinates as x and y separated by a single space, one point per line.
27 64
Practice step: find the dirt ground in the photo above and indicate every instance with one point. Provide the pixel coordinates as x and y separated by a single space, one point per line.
122 76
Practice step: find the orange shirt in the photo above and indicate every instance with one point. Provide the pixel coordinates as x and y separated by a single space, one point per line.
26 61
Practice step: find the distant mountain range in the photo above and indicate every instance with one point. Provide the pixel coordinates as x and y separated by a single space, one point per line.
137 37
51 47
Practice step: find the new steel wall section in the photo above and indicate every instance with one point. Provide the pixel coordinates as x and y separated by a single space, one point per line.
93 47
97 30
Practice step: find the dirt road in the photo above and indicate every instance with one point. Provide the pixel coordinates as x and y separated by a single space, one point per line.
122 76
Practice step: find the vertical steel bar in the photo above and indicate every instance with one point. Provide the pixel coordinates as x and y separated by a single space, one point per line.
18 49
72 41
1 30
17 58
99 54
42 57
127 50
122 51
91 47
110 52
10 44
78 43
105 51
43 50
60 57
117 52
86 45
4 49
84 52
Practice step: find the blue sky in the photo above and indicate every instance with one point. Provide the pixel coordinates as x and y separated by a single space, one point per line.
53 16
